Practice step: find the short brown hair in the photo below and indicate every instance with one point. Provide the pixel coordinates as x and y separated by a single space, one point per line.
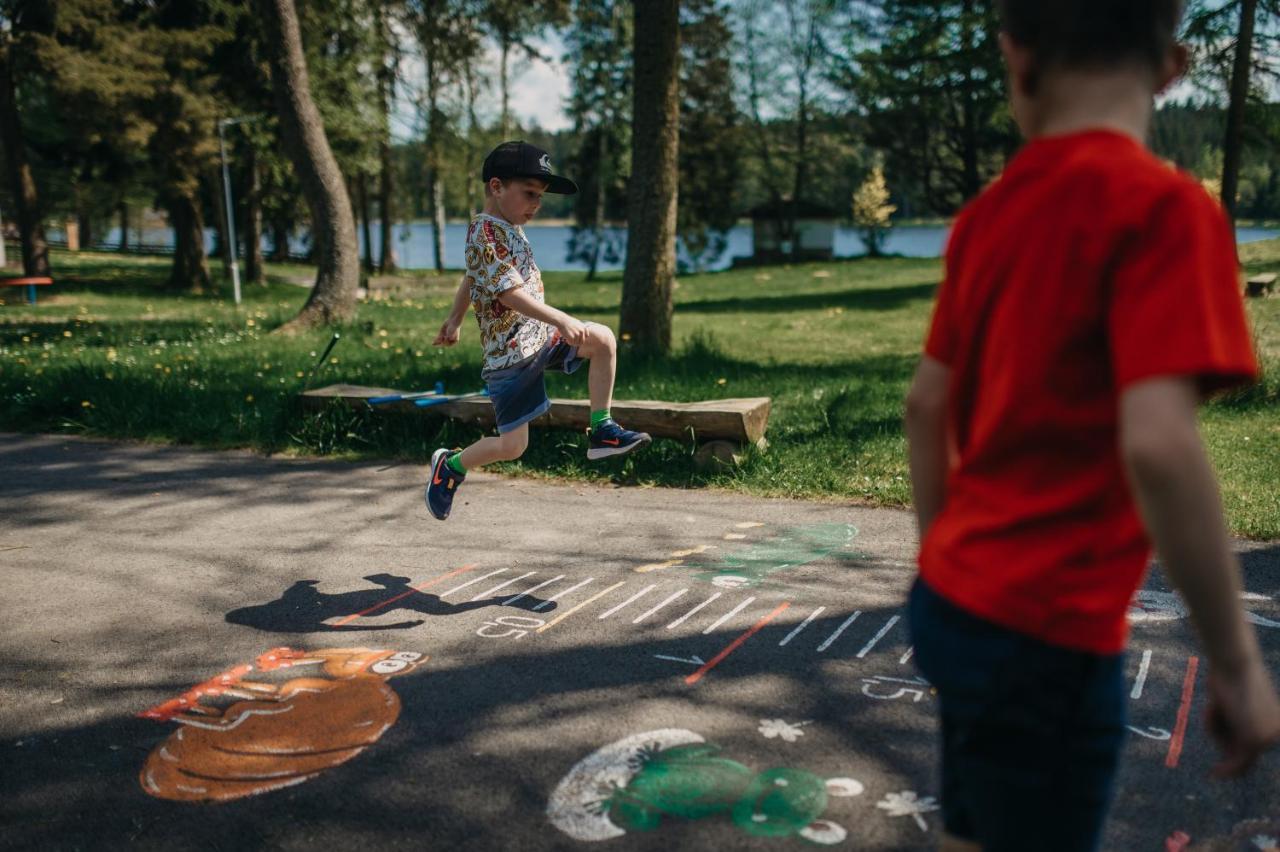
1093 33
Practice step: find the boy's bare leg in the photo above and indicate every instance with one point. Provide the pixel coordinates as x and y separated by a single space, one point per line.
601 348
508 447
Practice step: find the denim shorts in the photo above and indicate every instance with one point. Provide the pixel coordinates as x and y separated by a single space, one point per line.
1031 733
519 392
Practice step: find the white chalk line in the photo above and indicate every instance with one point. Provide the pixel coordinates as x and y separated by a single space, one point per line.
1141 679
543 584
801 626
559 595
637 596
683 618
472 582
501 586
728 615
659 606
836 635
888 625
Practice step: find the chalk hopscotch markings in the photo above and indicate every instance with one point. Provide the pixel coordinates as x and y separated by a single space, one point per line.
479 579
908 803
913 687
734 536
789 732
412 591
526 592
906 658
637 596
736 643
676 560
794 633
673 597
1150 732
747 525
836 635
549 601
694 660
728 615
501 586
562 616
683 618
1184 710
1141 679
645 780
866 649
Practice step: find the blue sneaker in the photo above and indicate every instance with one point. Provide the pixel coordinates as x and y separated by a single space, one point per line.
610 439
443 484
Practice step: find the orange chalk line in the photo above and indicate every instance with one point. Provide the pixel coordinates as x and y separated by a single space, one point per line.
413 590
562 616
733 646
1184 710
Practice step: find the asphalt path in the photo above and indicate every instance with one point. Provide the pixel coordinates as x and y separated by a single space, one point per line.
221 650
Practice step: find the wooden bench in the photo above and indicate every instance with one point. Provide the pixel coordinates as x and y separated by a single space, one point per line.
740 421
1261 285
30 283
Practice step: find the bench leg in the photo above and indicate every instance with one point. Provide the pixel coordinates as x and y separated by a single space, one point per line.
31 293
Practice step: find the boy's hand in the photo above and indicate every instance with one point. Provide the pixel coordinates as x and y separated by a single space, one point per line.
574 332
448 333
1243 717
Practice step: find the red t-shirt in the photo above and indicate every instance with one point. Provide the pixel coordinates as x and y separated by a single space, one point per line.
1088 266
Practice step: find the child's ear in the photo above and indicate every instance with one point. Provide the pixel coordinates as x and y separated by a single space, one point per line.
1021 64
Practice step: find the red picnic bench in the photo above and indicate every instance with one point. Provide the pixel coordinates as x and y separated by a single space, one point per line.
29 283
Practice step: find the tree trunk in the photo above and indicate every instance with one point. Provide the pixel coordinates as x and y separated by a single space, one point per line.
437 219
190 270
602 150
124 226
85 222
651 209
22 185
386 165
333 298
362 189
253 264
279 242
1233 144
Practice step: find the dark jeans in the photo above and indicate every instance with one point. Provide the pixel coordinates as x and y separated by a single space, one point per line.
1031 733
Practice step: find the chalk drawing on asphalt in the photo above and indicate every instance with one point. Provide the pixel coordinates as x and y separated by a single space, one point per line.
636 783
278 722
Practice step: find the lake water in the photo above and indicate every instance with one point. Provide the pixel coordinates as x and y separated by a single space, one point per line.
413 244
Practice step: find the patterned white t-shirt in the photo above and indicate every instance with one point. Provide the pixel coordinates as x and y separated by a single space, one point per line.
499 258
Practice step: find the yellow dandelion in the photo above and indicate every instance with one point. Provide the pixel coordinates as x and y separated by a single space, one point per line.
249 398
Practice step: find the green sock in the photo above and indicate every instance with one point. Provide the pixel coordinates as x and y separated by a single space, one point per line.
598 417
455 464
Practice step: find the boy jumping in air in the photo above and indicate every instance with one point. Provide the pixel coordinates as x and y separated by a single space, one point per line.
522 336
1091 300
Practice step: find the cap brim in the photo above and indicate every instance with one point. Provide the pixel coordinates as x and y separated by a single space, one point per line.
556 183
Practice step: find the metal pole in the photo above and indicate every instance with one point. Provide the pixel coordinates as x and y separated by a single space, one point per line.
231 221
3 262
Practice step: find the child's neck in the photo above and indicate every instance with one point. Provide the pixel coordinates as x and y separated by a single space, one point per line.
1075 101
491 209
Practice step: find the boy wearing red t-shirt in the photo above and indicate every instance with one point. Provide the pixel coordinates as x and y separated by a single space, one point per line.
1091 299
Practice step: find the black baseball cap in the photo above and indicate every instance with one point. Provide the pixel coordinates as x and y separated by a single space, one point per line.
522 160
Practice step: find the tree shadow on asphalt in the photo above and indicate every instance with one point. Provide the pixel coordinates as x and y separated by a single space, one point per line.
302 608
481 743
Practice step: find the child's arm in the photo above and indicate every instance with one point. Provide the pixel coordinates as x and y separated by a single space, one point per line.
927 439
1178 495
572 330
461 301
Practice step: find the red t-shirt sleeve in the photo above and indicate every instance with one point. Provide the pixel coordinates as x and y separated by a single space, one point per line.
1176 307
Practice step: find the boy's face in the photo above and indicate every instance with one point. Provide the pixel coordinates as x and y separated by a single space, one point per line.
518 199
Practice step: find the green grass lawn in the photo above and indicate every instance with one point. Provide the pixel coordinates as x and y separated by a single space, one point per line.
108 352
